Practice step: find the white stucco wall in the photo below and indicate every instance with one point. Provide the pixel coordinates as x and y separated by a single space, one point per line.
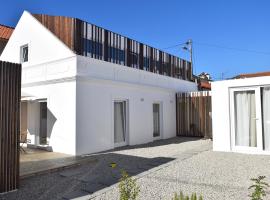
49 74
43 45
99 83
80 93
55 82
61 115
221 109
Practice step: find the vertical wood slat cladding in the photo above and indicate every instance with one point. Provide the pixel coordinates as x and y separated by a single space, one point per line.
10 94
89 40
62 27
193 114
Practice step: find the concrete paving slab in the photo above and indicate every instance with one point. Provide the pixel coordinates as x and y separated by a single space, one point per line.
93 187
75 194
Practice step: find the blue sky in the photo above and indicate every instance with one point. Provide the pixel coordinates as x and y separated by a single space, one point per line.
230 36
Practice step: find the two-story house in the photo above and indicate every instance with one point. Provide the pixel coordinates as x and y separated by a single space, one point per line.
86 89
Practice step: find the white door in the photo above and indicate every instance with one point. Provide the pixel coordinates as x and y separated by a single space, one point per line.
120 123
156 121
246 122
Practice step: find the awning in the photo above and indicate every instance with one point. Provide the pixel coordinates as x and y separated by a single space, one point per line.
27 97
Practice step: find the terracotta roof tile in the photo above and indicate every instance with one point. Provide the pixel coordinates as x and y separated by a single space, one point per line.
205 85
5 32
252 75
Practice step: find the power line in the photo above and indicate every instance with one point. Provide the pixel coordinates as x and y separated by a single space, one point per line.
232 48
173 46
221 47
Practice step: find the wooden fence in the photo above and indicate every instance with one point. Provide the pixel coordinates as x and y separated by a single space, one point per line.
10 94
193 114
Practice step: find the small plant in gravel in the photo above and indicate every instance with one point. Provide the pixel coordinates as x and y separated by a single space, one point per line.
181 196
259 188
128 188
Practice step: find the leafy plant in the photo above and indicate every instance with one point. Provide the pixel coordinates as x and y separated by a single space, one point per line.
259 188
128 188
181 196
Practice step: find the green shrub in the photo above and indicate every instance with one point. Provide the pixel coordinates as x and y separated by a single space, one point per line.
128 188
259 188
181 196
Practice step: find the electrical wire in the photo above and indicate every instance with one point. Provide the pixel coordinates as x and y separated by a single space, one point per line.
232 48
221 47
173 46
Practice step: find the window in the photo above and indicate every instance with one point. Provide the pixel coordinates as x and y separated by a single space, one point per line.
24 53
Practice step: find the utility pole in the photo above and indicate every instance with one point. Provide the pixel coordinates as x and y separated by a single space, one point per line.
191 56
189 48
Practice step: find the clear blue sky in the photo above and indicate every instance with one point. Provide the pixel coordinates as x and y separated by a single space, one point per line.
237 24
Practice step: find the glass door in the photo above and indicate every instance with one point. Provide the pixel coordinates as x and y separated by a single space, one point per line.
246 119
156 121
120 123
266 117
43 124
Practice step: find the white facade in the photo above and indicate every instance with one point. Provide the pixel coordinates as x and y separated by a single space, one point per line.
80 93
229 115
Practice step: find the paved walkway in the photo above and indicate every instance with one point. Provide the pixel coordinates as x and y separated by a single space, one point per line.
161 168
35 161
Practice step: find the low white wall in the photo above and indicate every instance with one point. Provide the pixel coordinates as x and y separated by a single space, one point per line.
221 109
99 83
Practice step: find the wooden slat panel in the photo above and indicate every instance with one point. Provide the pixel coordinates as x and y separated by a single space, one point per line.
71 32
10 87
193 114
61 27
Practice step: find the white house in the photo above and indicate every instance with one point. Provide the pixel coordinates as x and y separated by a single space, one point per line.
86 89
241 115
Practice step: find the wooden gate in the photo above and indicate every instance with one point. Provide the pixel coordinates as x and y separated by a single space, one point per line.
10 94
193 114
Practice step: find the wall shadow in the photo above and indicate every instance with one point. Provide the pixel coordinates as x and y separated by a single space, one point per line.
93 174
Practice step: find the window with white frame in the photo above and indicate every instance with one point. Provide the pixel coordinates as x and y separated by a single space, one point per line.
24 53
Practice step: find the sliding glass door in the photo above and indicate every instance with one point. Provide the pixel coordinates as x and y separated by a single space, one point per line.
120 123
156 121
266 117
246 119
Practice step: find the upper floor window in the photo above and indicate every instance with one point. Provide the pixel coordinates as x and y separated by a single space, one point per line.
24 53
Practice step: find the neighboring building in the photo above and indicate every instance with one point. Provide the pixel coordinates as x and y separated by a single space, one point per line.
86 89
5 33
241 114
258 74
204 81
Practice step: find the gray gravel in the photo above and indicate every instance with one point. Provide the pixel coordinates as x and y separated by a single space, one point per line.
161 169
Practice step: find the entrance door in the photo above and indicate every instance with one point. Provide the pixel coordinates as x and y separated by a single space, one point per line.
246 119
43 123
120 123
23 121
156 121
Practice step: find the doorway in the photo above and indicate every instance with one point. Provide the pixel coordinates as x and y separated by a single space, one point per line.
156 121
23 121
43 124
120 123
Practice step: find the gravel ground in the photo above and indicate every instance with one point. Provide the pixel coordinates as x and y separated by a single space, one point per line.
161 168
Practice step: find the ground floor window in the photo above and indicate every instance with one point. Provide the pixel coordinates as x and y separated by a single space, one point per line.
250 118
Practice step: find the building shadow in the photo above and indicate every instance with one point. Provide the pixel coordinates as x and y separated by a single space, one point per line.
90 173
162 142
